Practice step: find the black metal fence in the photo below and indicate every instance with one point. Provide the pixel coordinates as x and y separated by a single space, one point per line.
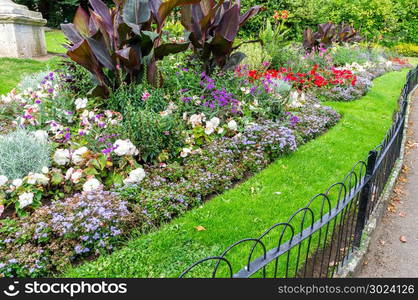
318 239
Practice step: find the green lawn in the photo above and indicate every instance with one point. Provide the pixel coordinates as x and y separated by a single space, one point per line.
54 41
12 70
267 198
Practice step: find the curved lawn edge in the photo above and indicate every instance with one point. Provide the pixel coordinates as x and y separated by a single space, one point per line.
269 197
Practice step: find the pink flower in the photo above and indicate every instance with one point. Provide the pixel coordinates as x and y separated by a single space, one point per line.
145 96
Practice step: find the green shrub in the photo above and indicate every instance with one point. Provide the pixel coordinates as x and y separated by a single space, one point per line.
383 20
256 55
407 49
347 55
289 56
78 81
134 95
22 153
157 137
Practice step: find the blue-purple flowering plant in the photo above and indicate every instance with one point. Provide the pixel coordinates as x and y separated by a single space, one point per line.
63 232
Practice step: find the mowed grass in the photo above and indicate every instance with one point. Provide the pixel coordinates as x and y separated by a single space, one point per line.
54 41
269 197
12 70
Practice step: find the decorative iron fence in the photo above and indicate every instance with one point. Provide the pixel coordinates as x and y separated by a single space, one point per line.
318 239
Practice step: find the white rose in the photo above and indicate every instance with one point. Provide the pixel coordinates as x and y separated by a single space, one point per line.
17 182
215 121
91 185
3 180
69 173
41 135
31 179
45 170
185 152
62 157
85 113
76 176
78 155
41 179
212 125
196 119
125 147
81 103
135 176
25 199
232 125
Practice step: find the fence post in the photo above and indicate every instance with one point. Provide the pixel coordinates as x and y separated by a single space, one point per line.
365 196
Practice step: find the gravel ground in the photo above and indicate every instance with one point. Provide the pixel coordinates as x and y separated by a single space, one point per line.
393 251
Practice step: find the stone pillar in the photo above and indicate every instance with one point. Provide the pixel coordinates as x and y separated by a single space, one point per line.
21 31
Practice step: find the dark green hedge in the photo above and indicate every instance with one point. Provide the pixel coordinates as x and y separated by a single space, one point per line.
391 20
56 11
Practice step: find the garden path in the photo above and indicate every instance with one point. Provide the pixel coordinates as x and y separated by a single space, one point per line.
393 251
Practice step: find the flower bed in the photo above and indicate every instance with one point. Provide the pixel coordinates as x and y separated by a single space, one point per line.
140 155
152 193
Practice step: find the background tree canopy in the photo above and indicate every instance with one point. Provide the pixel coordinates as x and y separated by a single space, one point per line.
57 11
395 20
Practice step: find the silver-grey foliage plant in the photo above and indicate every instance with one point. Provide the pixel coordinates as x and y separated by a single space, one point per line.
22 153
32 81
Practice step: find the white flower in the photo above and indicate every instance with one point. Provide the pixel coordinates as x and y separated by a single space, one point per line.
91 185
41 179
25 199
196 119
62 157
41 135
36 178
3 180
185 152
78 155
45 170
76 176
232 125
17 182
295 101
68 174
81 103
212 125
31 178
165 113
135 176
125 147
